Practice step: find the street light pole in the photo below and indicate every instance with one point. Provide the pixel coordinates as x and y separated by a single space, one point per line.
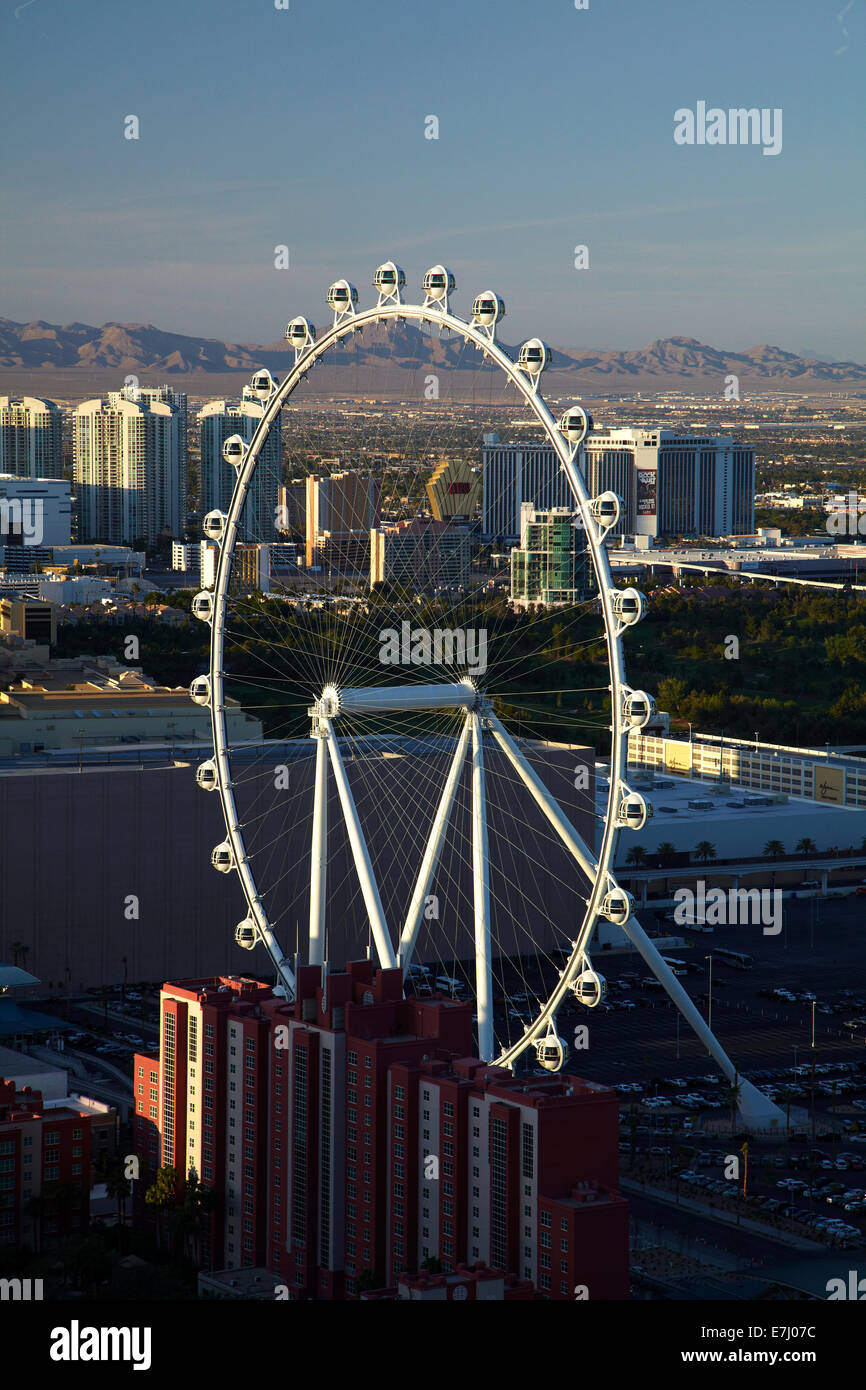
710 994
814 1001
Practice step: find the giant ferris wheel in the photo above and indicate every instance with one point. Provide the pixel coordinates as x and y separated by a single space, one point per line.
411 808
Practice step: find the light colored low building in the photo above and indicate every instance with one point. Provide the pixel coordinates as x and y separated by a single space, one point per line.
31 619
39 1075
34 511
34 719
85 589
834 779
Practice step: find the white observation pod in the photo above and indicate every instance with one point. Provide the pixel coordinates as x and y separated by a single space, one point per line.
263 384
639 709
234 449
246 934
202 606
629 605
575 424
617 905
606 510
214 525
534 356
634 811
589 988
342 296
389 278
438 282
206 775
300 333
551 1052
199 691
488 309
223 858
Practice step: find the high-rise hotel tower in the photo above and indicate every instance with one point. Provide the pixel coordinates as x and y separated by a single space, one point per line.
217 421
128 469
671 484
31 437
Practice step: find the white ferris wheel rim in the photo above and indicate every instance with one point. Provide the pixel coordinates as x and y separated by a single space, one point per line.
602 880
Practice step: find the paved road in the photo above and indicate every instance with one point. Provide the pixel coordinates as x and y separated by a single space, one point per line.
699 1235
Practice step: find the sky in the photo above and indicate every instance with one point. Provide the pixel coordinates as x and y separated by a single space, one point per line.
305 127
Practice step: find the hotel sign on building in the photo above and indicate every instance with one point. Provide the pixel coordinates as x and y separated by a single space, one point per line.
454 490
829 784
678 756
646 492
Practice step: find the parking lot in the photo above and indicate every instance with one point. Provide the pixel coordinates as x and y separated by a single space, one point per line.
113 1026
677 1124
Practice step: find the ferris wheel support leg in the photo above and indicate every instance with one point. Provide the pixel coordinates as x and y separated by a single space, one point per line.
415 915
319 855
360 854
755 1108
481 886
552 810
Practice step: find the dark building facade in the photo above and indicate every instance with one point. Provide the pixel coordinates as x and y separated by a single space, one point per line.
109 863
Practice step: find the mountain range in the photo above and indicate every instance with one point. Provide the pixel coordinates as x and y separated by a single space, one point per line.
141 347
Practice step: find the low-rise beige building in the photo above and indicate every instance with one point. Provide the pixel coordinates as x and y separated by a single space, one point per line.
36 718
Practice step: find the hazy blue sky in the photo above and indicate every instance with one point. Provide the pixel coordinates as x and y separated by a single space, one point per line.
306 127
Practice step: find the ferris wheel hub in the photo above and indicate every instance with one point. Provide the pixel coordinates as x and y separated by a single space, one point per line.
395 699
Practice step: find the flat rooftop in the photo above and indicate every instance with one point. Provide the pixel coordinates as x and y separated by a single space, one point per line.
677 792
21 1065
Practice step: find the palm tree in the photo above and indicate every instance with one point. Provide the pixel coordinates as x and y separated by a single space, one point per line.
34 1209
774 849
637 857
196 1205
787 1096
806 846
162 1195
59 1200
15 950
705 851
110 1169
666 853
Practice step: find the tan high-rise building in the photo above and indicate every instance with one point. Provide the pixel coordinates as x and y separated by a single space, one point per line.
127 464
31 437
419 554
179 401
454 490
342 509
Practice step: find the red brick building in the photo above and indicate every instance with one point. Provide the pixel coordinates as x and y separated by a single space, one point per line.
493 1157
204 1105
44 1168
353 1138
329 1162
